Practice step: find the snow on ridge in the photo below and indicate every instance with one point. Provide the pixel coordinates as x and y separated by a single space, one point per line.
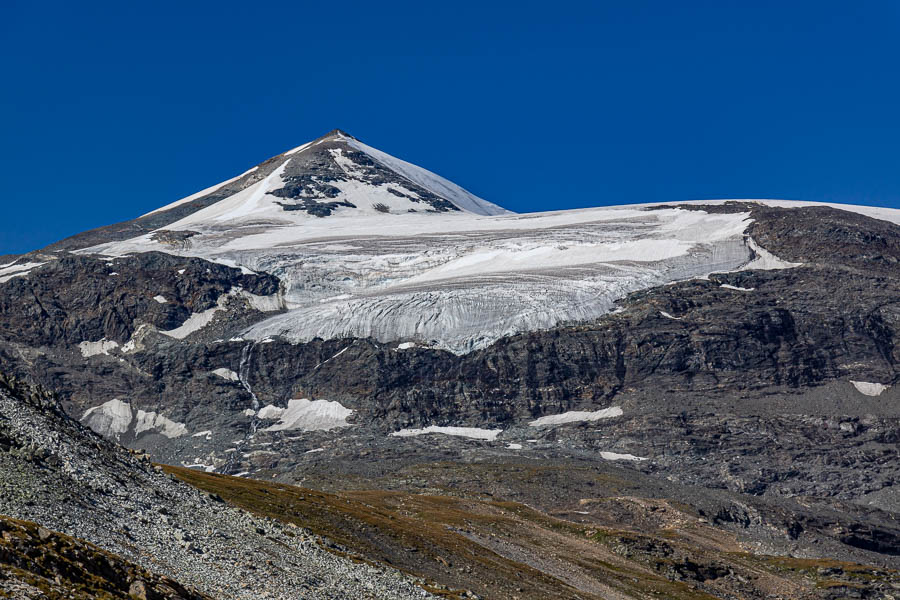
870 389
576 416
12 270
432 182
476 433
161 299
194 196
312 415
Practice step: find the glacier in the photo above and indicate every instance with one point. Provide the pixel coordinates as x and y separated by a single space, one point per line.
366 245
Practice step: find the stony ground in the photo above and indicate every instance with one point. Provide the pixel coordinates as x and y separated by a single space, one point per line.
56 473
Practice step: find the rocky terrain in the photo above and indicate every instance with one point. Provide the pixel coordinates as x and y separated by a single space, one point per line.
342 320
63 476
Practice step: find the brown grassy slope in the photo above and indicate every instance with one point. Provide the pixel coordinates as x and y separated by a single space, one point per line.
508 550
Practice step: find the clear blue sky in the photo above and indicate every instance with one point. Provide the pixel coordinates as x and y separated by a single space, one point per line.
112 109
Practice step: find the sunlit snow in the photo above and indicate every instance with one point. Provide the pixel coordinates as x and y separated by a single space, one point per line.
469 432
576 416
870 389
312 415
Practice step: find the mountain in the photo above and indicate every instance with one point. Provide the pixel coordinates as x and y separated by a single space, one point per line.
342 319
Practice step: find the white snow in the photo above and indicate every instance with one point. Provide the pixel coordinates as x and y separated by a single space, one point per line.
110 419
765 260
103 346
181 271
153 422
198 321
514 447
270 411
298 148
736 288
433 183
249 412
617 456
406 346
195 322
312 415
17 270
576 416
200 465
207 434
161 299
263 303
669 316
870 389
200 194
469 432
315 450
226 374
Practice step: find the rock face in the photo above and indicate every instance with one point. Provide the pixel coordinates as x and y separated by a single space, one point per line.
299 314
77 299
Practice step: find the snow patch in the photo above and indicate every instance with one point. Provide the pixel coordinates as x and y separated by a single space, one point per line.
110 419
207 434
765 260
198 321
151 421
406 346
270 411
226 374
576 416
736 288
476 433
617 456
314 450
514 447
312 415
869 389
14 270
103 346
161 299
669 316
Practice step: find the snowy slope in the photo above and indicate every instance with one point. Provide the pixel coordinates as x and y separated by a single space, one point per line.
368 245
435 183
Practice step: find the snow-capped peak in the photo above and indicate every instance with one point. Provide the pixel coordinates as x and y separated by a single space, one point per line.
335 174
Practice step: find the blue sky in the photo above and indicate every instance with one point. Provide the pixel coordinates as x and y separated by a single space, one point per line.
109 110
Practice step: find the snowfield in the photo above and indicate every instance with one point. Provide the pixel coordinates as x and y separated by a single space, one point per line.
475 433
456 280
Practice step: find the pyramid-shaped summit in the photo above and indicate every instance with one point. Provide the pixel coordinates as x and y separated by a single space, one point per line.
335 175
